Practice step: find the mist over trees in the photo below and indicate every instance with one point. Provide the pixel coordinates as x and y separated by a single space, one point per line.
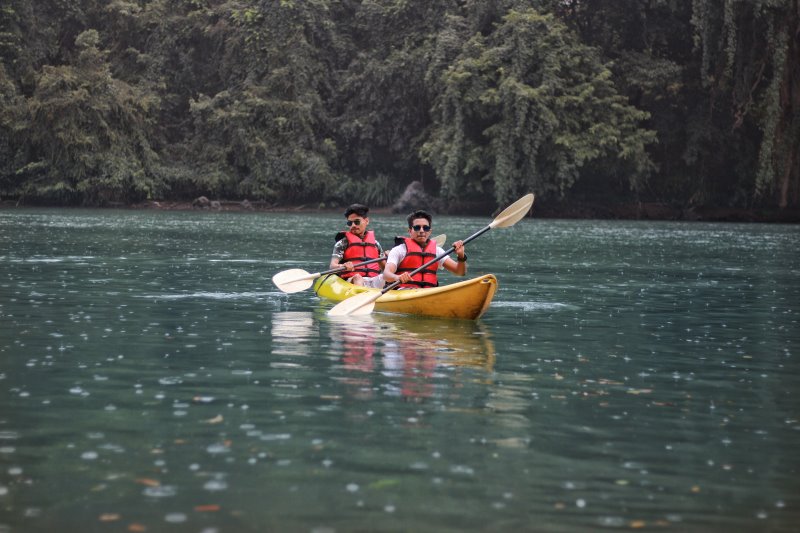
690 104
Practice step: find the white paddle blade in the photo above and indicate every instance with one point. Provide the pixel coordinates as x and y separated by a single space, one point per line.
513 213
293 280
360 304
441 240
296 286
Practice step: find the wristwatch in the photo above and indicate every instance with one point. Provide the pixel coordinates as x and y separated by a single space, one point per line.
460 260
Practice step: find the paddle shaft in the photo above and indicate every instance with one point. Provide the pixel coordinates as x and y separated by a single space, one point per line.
339 269
437 258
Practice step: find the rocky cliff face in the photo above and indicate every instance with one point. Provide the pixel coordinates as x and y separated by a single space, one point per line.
415 197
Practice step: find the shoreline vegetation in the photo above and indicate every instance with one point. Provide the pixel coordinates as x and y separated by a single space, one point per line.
546 210
669 110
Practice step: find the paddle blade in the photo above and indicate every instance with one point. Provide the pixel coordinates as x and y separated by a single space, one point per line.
513 213
360 304
293 280
441 240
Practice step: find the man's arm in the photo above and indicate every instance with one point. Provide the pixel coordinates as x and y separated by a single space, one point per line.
389 273
381 264
338 255
394 258
459 267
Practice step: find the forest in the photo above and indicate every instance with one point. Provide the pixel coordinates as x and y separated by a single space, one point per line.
689 104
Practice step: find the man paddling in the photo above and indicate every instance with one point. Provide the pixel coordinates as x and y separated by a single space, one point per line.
355 245
416 250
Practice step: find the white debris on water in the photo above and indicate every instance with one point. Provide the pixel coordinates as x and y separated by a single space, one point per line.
175 518
160 491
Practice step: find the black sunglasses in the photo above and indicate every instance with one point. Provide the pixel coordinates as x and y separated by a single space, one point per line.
423 228
357 222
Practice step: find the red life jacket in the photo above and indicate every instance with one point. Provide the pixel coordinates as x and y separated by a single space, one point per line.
415 257
358 250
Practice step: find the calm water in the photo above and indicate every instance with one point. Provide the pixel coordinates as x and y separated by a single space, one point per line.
628 375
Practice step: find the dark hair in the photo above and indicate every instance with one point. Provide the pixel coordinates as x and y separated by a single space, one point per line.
358 209
419 214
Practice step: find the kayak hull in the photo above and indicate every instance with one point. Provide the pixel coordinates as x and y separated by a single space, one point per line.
466 299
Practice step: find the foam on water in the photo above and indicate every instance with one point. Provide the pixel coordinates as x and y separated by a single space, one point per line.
533 306
210 295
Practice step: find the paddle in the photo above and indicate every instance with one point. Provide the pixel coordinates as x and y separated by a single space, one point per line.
364 303
297 279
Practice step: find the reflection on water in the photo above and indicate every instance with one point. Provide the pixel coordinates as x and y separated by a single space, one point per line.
408 350
292 331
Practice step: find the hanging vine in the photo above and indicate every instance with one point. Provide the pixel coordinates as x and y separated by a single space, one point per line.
749 52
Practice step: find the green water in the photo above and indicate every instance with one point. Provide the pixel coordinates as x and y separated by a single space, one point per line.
628 375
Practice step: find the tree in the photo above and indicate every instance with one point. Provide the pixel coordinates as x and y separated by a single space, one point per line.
12 124
528 107
750 53
724 104
383 97
88 134
264 133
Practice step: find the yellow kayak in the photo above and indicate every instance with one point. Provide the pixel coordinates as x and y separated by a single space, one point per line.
466 299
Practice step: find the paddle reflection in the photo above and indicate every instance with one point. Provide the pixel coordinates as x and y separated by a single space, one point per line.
292 331
408 350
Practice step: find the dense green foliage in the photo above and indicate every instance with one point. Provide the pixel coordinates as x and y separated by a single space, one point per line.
287 101
526 108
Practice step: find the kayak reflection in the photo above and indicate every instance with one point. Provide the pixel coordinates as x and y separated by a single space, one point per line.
385 354
408 351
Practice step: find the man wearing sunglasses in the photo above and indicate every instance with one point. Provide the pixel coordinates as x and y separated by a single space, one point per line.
416 250
355 245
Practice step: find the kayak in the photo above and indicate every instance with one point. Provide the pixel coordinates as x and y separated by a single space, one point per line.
466 299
